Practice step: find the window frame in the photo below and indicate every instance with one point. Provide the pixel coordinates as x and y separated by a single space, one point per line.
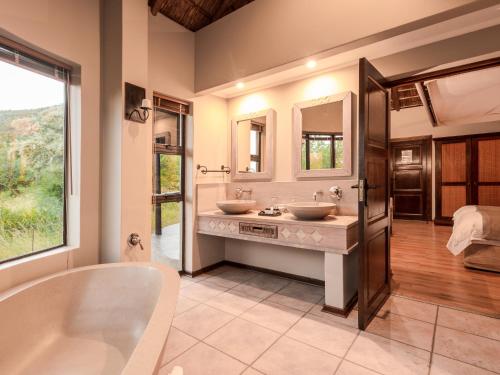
61 72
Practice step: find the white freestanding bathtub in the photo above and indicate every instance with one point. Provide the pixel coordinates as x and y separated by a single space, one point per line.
103 319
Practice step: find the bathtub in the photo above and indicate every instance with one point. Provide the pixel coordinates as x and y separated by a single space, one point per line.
102 319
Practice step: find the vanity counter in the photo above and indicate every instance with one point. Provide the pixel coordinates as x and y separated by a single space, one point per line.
337 234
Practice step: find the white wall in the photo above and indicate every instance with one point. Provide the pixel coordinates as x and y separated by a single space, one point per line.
69 31
269 33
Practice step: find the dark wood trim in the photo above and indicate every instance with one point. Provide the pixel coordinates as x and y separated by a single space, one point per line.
429 105
34 53
441 73
156 5
344 313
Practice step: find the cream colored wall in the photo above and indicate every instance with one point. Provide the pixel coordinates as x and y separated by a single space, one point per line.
282 98
69 31
413 122
283 31
136 168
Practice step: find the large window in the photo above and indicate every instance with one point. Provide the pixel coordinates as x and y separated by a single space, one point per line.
168 180
32 153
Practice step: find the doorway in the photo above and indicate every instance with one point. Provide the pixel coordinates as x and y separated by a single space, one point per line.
411 178
167 221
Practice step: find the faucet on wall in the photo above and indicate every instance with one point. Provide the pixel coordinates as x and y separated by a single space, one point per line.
316 193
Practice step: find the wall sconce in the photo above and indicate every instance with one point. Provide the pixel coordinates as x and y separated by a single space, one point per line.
137 107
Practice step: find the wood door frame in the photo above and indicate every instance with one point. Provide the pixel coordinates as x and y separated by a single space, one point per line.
427 171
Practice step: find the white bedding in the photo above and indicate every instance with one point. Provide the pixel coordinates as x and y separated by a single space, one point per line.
474 223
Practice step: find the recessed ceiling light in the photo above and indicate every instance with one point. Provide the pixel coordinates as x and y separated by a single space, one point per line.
311 64
240 85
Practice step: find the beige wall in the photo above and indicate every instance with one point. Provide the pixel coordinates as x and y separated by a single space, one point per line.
69 31
282 98
226 50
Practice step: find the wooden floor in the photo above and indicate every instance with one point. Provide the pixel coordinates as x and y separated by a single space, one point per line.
424 269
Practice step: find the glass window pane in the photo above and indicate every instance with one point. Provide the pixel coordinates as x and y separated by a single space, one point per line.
339 152
31 162
166 236
169 172
167 127
320 152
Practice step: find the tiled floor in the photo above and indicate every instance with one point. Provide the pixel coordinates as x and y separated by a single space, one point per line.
236 321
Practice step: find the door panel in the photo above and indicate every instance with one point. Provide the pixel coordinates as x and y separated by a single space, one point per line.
373 238
453 162
411 178
489 195
488 160
453 197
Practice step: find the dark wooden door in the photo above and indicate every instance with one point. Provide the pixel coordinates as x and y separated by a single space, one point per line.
373 193
411 187
453 177
486 170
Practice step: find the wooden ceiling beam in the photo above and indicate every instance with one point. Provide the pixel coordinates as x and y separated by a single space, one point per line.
156 6
224 5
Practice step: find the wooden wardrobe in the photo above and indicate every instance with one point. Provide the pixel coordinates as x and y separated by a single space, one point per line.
467 172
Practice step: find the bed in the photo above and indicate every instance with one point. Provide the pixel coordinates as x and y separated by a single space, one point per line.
476 233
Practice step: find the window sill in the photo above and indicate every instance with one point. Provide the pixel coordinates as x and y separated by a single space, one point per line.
35 257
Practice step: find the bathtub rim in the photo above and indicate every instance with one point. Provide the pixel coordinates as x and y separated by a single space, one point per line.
147 354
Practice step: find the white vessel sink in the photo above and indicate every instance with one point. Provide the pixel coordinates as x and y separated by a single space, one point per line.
310 210
236 206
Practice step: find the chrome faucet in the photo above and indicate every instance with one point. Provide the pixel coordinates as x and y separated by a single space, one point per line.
240 191
316 193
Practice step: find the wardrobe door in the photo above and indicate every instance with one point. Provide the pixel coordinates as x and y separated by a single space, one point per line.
486 171
452 178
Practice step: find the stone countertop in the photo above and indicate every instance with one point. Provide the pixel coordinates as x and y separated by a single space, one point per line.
330 221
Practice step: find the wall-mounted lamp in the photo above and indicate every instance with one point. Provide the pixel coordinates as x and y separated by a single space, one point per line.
137 107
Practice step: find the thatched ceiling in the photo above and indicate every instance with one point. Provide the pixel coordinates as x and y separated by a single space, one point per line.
195 14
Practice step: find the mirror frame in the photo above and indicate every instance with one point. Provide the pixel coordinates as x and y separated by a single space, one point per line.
268 172
346 98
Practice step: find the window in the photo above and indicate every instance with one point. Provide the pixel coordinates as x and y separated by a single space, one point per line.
168 180
33 98
322 151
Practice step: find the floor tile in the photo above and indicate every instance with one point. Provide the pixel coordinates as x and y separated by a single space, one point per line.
348 368
300 296
251 371
220 280
351 320
290 357
388 356
471 323
233 302
184 304
475 350
201 321
409 308
334 338
242 340
185 281
446 366
262 285
407 330
279 318
204 360
177 343
201 291
239 275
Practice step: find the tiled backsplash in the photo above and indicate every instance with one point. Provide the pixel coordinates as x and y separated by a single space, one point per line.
285 192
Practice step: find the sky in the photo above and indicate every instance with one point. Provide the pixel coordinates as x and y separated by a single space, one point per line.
23 89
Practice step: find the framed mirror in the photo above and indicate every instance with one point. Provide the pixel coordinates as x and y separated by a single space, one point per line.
252 146
322 137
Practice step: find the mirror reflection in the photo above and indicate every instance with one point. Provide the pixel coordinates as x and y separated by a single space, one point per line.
251 140
322 137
